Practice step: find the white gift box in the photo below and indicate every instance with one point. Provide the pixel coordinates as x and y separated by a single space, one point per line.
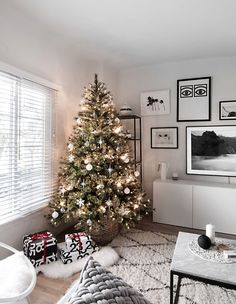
77 246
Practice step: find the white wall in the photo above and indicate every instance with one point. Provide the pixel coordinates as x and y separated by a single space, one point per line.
29 47
164 76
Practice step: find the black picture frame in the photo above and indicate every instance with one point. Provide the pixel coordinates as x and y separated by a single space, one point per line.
194 99
227 110
212 153
164 138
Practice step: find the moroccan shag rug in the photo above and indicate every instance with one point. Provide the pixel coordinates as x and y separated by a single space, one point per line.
145 265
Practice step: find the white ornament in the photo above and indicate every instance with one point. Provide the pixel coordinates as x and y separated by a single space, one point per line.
126 160
86 144
110 170
80 202
55 214
78 121
100 186
126 190
69 187
70 147
136 173
71 158
108 202
103 209
62 210
63 190
89 222
89 167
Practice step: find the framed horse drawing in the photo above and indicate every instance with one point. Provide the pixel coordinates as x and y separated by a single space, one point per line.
155 103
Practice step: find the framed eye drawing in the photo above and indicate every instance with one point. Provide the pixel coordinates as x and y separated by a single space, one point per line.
194 99
155 103
227 110
164 138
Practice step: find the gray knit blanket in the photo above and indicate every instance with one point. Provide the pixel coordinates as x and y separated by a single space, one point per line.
99 286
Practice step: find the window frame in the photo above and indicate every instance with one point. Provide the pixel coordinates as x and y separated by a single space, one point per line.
25 76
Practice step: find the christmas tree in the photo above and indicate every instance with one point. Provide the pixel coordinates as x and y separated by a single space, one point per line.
97 177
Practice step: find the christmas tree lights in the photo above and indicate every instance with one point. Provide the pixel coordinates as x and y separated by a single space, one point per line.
97 178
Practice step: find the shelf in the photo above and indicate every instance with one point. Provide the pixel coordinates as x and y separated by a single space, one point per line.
133 125
129 117
134 139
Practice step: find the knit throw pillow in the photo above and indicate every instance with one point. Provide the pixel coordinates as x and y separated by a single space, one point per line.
98 285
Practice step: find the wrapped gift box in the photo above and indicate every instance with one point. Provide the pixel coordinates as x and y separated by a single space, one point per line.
40 248
77 246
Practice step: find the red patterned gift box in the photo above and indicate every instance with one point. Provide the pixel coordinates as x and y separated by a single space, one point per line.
40 248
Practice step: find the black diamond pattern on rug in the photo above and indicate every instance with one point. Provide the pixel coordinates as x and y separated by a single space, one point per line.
145 265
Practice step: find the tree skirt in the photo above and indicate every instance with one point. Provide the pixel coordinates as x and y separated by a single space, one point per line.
145 265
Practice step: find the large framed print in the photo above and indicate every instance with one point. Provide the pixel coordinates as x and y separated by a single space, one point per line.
211 150
194 99
164 138
155 103
227 110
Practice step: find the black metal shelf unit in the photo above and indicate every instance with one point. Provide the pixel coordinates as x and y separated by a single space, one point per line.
133 124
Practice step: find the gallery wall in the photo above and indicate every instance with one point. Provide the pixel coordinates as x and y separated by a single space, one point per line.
134 81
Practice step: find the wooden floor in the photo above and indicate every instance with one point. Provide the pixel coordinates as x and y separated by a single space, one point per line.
49 291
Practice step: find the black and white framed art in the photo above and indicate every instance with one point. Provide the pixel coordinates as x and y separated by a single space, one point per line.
155 103
194 99
211 150
164 138
227 110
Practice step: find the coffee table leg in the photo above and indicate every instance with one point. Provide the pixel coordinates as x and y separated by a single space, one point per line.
174 300
171 286
177 290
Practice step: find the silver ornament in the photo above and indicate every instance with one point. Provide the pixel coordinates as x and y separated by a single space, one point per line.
89 222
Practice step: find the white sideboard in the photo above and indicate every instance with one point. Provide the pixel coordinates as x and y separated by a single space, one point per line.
195 204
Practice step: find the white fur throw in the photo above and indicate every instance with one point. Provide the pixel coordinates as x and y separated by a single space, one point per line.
106 256
15 275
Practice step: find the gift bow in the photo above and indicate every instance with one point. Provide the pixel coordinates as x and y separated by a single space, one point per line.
76 236
43 237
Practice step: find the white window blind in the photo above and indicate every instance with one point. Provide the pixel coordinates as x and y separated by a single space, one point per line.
26 146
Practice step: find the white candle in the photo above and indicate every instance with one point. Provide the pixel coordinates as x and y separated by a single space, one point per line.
210 232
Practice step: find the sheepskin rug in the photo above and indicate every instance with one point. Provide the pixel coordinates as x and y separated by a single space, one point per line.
106 256
144 263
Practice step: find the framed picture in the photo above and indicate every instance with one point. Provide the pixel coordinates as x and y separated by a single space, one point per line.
155 103
211 150
227 110
194 99
164 138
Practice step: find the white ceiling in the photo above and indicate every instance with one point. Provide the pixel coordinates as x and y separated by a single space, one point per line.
124 33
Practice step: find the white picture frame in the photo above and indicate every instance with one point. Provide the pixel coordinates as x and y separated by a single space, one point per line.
155 103
211 150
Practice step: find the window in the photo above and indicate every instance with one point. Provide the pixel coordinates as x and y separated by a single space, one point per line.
26 146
